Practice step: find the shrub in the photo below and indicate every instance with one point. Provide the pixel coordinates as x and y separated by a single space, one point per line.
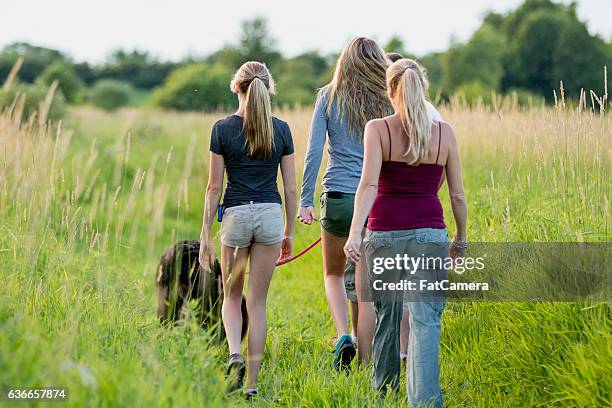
34 95
474 91
196 87
69 83
110 94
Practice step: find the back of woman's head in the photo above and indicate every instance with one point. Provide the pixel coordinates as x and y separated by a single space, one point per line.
407 85
358 87
254 82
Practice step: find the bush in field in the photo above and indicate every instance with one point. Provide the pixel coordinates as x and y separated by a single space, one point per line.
474 91
196 87
69 83
110 94
34 95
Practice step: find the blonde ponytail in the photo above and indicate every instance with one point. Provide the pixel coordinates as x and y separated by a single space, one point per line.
254 81
407 84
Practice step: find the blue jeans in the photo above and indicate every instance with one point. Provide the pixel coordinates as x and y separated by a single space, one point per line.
423 368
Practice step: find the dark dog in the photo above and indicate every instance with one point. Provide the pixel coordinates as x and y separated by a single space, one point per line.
180 279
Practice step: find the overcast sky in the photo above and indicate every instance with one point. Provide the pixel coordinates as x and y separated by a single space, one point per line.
172 29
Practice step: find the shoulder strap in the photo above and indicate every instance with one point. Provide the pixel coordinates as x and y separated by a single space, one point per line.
389 133
439 140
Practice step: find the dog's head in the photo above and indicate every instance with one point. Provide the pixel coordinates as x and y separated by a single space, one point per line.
180 278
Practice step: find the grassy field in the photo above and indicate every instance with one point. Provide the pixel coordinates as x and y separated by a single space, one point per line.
87 206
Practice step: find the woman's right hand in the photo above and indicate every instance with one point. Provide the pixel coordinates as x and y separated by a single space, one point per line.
307 215
457 248
207 254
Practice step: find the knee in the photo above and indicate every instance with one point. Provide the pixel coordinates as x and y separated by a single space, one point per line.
332 271
232 298
254 304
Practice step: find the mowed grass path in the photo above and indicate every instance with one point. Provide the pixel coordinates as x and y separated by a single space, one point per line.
86 211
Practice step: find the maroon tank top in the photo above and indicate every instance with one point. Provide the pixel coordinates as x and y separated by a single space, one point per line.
407 195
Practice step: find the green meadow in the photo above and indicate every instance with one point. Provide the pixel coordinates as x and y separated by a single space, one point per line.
88 204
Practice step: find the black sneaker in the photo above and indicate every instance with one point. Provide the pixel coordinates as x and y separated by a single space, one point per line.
250 394
235 372
345 352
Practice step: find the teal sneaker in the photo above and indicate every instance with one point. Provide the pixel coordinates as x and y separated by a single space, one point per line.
345 352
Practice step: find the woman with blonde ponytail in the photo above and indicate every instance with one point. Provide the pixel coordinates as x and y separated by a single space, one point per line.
407 155
249 146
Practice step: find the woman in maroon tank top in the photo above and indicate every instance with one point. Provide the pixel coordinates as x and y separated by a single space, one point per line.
406 159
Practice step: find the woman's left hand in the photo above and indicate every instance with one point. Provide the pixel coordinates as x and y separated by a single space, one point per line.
352 248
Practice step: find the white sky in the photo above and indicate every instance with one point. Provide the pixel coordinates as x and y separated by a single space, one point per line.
89 30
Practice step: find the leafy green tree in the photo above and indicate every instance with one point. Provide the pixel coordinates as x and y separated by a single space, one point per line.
396 44
494 20
135 67
69 83
35 60
229 56
434 65
479 60
532 55
199 86
300 77
110 94
255 44
85 73
512 23
579 59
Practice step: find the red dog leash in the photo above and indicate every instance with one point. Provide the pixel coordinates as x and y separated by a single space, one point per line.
293 258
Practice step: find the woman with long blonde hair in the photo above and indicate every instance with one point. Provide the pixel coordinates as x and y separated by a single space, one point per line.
249 146
407 154
356 94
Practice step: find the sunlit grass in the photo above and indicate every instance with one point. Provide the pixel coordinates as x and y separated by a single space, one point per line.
88 205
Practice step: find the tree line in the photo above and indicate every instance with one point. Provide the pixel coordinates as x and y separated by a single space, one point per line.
528 50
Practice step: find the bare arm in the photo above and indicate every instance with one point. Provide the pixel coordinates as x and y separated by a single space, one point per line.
290 188
368 187
455 188
214 190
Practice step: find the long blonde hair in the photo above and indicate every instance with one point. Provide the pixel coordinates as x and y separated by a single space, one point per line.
358 87
407 84
253 80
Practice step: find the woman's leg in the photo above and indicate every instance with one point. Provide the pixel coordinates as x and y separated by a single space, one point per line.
233 264
262 264
354 308
333 268
367 317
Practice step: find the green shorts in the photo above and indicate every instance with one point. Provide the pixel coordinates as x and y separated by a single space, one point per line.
336 217
337 212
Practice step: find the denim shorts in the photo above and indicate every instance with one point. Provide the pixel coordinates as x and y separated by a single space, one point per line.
246 224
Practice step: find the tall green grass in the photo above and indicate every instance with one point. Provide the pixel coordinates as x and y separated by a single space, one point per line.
87 206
